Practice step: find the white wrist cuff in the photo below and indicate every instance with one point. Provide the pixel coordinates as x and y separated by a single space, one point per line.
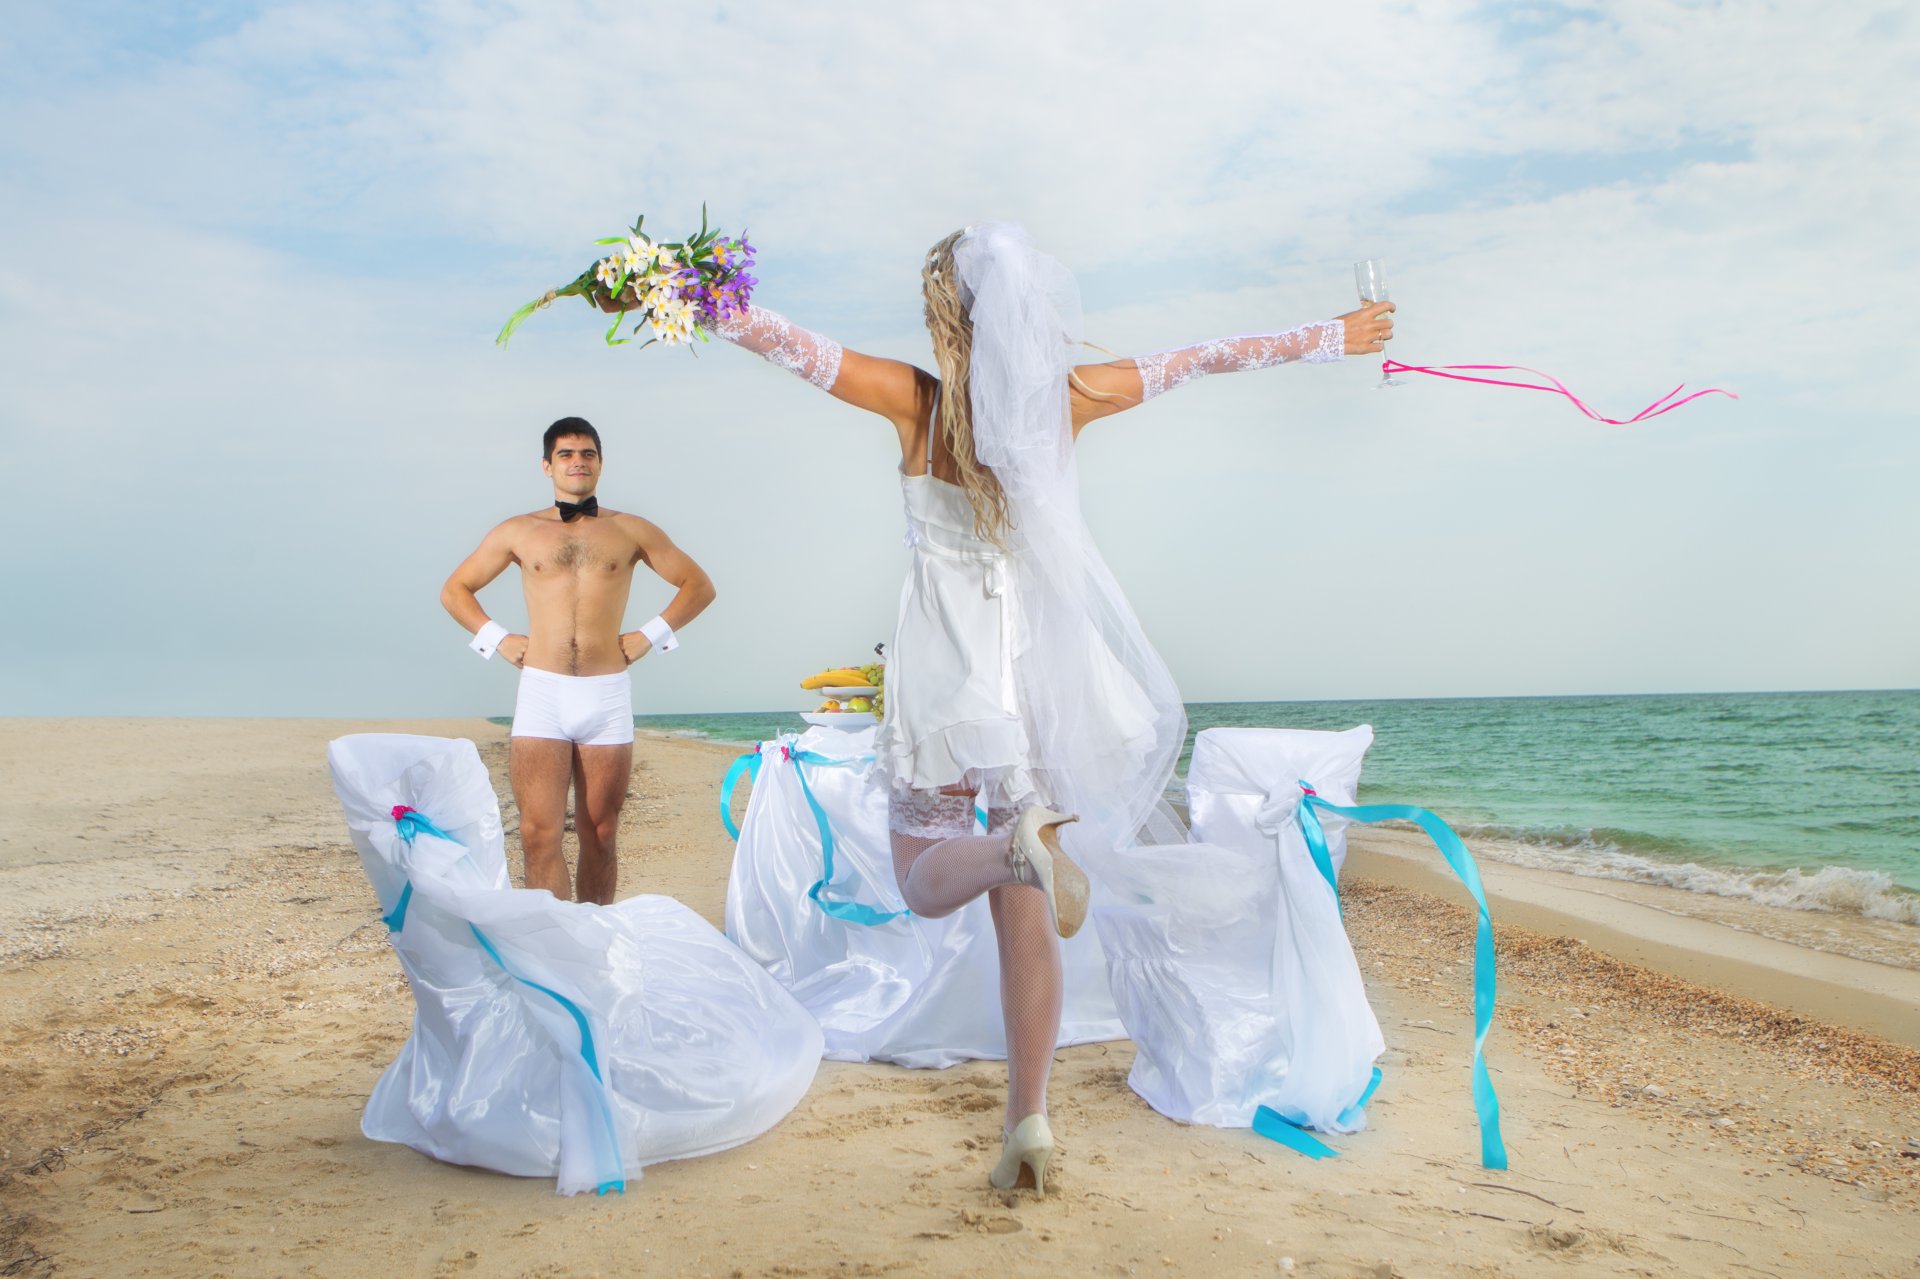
488 638
660 635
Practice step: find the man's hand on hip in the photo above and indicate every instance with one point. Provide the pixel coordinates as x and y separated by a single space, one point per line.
514 649
635 645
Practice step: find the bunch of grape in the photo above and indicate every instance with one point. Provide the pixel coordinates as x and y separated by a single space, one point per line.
875 673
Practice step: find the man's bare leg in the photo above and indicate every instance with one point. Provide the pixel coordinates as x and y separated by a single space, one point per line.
540 768
600 777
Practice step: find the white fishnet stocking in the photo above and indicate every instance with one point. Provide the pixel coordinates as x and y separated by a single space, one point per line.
938 876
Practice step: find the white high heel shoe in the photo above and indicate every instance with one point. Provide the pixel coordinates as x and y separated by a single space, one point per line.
1038 858
1028 1146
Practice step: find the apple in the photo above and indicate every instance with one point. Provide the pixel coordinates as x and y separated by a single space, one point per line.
860 704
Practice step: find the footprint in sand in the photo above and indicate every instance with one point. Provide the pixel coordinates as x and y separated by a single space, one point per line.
452 1264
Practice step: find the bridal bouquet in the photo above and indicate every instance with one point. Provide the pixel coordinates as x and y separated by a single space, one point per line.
679 289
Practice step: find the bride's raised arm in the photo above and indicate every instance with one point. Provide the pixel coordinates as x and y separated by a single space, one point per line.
1101 390
892 388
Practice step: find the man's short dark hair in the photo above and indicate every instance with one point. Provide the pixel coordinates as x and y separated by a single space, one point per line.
568 426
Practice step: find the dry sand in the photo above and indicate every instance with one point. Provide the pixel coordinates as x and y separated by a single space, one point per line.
197 1001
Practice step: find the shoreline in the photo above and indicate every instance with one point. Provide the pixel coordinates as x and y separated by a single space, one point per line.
198 999
1850 969
1833 889
1736 946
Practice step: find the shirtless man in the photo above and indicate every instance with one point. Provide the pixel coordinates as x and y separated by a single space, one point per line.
573 718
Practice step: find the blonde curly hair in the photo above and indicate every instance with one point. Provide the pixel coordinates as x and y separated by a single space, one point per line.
952 335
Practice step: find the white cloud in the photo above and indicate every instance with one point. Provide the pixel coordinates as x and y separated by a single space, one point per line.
256 277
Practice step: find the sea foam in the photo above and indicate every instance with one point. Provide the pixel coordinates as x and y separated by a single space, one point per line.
1840 890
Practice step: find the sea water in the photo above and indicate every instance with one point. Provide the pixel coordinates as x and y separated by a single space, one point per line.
1805 800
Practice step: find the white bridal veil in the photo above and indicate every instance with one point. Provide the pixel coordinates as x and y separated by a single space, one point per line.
1104 716
1226 954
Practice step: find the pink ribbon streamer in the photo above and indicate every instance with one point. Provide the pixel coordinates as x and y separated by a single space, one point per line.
1665 404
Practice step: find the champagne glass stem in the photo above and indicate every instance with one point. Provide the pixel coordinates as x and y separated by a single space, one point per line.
1370 277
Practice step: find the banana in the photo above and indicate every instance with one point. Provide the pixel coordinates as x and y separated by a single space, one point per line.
840 678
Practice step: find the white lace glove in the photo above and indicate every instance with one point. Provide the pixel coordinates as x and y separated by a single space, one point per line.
797 350
1320 343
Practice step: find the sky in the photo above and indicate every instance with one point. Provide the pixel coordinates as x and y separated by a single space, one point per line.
255 256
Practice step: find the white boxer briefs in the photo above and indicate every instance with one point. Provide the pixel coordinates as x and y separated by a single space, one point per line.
587 710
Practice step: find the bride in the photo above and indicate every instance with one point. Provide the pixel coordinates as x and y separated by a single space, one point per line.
1019 677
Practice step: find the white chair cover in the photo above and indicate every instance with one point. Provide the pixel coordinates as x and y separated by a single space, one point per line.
1225 959
552 1039
1228 959
916 992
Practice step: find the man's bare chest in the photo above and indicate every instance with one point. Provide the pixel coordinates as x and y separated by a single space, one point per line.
568 551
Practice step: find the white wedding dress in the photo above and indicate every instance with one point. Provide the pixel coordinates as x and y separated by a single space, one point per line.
1023 670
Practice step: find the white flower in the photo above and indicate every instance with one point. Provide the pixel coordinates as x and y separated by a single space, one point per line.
608 272
671 323
641 248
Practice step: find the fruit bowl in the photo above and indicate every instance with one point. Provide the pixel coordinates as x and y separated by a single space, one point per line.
842 692
850 721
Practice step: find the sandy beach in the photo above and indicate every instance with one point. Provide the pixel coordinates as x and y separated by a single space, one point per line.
198 999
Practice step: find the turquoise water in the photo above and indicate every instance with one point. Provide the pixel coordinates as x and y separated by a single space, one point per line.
1809 800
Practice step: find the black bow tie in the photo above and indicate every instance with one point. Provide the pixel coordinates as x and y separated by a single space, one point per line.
569 510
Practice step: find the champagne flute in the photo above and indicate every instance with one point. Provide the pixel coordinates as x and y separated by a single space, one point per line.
1371 277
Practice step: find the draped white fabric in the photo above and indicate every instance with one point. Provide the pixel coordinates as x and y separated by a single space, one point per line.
694 1048
1228 958
916 992
1224 959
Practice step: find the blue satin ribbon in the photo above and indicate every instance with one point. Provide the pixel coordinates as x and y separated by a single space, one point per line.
1292 1133
396 919
1353 1114
851 912
1274 1126
1317 849
1493 1152
411 823
414 822
612 1153
748 765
